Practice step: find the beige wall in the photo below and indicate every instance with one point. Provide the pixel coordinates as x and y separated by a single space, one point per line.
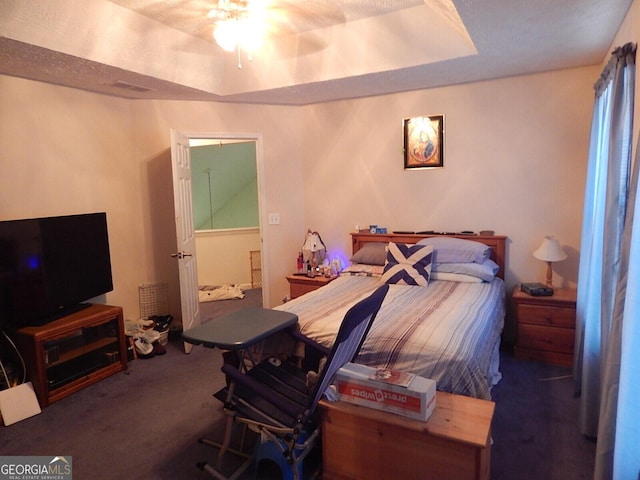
515 155
67 151
224 256
515 162
280 192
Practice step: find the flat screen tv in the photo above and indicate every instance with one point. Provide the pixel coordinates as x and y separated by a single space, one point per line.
50 266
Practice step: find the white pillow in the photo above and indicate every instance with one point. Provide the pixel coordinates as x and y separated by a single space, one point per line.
486 270
454 277
363 270
457 250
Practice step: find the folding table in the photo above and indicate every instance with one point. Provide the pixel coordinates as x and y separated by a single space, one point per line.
240 329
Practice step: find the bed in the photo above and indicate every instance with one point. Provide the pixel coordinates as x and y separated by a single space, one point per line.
447 329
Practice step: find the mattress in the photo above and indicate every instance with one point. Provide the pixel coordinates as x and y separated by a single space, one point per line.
448 331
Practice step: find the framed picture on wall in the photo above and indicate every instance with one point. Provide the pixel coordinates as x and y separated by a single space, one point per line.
423 142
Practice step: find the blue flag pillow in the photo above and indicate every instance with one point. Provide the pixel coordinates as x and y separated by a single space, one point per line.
408 264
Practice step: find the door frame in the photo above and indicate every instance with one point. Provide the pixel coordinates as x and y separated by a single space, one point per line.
262 213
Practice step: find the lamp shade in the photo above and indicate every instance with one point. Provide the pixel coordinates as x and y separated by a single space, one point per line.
313 247
550 250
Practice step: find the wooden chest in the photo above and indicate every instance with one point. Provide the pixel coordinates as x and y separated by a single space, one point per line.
454 443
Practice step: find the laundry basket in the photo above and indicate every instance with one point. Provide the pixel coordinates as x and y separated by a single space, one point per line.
153 298
255 259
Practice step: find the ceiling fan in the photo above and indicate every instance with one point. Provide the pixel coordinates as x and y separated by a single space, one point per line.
239 24
244 24
251 22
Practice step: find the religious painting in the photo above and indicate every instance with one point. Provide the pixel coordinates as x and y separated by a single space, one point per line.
424 142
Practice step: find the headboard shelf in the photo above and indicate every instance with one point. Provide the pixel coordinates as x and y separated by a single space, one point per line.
496 242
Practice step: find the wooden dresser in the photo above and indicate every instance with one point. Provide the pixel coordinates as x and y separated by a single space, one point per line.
545 326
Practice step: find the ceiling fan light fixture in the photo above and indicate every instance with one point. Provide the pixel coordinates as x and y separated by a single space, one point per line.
251 34
226 34
241 26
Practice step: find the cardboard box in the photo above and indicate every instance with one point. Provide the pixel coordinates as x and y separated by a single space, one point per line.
396 392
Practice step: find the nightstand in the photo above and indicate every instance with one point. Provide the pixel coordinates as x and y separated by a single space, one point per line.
545 326
301 284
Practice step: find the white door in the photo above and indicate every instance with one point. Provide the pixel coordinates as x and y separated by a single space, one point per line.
185 233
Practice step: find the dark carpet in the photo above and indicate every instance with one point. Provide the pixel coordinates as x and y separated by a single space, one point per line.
145 423
212 310
535 433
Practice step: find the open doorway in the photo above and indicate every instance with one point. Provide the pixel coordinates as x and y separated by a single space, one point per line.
226 214
185 229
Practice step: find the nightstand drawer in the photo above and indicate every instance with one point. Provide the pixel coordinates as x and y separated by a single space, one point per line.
301 284
548 316
297 289
545 326
552 339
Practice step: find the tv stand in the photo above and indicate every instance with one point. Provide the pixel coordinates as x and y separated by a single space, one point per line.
60 314
73 352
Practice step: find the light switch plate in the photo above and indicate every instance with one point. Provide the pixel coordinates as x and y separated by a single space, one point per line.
274 219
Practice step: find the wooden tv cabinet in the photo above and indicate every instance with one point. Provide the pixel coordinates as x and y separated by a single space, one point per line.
73 352
453 444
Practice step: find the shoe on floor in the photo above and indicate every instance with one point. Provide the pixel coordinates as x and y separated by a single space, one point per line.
144 349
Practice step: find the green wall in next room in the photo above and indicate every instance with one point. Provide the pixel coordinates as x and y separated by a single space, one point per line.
224 186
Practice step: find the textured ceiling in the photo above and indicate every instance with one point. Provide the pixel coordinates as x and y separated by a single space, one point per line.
284 16
316 50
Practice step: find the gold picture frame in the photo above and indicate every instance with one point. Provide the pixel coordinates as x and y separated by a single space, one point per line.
423 142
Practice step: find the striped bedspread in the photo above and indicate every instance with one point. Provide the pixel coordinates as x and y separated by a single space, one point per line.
448 331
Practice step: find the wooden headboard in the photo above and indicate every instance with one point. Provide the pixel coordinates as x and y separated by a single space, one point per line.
496 242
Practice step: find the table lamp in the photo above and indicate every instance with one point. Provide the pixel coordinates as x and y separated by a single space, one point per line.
550 251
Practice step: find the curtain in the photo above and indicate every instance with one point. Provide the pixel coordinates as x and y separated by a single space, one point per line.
602 278
626 454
